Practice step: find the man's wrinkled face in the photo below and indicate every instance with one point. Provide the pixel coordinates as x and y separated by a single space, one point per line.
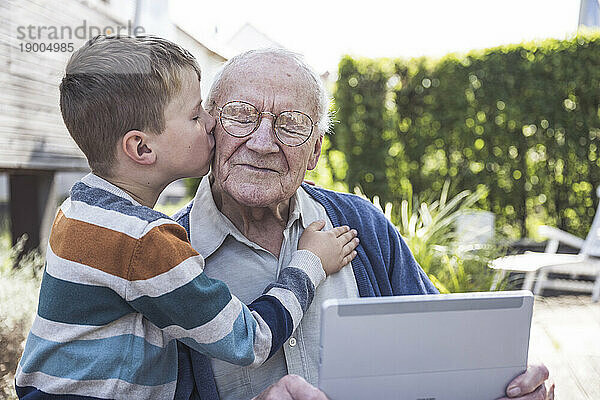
258 170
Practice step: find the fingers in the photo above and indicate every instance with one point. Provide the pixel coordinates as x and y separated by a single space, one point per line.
316 226
298 389
350 245
528 381
274 392
337 231
347 237
340 230
349 258
530 385
351 242
550 394
538 394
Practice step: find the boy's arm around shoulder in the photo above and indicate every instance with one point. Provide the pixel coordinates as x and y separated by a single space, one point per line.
166 284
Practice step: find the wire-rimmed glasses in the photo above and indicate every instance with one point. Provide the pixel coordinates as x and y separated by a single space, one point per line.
240 119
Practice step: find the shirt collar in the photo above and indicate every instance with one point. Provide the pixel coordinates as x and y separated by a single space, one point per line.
209 227
101 183
304 207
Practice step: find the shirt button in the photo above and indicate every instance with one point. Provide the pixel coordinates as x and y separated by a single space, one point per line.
292 342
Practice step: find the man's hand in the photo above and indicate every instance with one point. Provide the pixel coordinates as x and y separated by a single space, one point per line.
291 387
531 385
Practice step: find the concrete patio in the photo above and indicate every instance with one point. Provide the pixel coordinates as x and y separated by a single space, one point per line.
565 335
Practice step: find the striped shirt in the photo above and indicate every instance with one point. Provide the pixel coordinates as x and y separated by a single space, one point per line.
122 282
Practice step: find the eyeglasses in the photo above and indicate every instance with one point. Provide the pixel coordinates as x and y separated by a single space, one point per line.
241 119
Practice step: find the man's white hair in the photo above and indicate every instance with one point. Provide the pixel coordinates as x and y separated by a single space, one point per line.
321 98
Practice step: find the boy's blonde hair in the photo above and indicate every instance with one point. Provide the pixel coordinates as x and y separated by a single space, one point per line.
114 84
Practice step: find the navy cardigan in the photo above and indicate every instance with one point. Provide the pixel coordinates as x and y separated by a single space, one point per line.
384 266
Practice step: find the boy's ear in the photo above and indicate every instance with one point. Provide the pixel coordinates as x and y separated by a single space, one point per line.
136 146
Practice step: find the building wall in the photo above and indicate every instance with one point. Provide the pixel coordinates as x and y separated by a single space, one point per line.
209 60
32 134
248 38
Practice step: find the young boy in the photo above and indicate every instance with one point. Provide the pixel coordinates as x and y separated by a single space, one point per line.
122 281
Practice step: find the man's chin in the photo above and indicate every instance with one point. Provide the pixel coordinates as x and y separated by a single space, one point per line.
252 194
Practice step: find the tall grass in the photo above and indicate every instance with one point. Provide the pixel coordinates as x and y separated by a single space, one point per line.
429 230
19 289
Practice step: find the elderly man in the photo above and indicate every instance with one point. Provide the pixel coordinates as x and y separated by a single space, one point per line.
272 113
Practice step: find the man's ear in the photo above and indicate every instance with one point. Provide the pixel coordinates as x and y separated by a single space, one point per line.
136 146
314 157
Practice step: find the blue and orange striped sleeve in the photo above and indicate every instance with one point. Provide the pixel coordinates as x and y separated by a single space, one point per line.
166 283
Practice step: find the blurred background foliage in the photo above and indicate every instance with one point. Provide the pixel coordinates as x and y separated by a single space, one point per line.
513 130
429 230
20 277
522 121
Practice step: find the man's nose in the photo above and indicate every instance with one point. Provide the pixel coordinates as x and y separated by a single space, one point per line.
263 138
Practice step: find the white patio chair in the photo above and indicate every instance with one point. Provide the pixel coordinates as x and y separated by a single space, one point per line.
586 263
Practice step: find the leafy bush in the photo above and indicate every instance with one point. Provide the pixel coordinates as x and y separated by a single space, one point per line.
429 230
523 120
19 289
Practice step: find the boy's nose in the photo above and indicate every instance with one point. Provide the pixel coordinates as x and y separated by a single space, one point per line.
210 123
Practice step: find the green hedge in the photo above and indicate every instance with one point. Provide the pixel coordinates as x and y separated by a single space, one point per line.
523 120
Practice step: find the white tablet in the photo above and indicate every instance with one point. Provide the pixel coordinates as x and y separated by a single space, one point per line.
429 347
